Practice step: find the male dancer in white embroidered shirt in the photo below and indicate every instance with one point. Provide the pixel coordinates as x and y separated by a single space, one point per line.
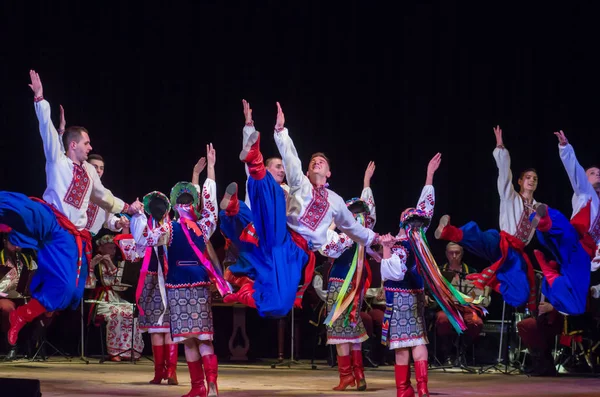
55 227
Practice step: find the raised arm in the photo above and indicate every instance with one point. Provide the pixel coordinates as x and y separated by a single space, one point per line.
209 216
367 195
577 176
426 201
198 168
50 137
287 150
502 157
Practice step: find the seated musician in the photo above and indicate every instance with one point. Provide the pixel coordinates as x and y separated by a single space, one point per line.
445 331
105 274
16 269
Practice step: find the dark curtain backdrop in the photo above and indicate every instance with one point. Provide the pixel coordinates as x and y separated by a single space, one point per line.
393 82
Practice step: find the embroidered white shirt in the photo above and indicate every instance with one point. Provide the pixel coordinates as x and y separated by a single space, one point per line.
70 187
583 191
394 267
514 213
97 218
337 243
311 210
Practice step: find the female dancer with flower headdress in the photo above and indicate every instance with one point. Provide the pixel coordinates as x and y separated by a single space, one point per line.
349 278
406 266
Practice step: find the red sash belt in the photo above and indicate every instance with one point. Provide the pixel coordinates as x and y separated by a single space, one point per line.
309 269
83 238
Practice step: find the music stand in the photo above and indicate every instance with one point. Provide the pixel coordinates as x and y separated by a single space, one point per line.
460 354
502 364
291 361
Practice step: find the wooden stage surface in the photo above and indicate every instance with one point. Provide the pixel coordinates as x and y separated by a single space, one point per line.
60 377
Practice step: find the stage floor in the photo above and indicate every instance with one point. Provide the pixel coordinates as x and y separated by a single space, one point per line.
64 378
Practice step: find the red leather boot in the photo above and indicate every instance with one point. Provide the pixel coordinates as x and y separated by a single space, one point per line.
359 370
403 387
171 363
21 316
197 378
421 377
541 221
230 202
549 269
346 376
238 281
445 231
211 367
160 370
243 296
252 156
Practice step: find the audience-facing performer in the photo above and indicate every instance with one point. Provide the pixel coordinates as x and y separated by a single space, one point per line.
116 311
511 272
311 208
444 330
55 227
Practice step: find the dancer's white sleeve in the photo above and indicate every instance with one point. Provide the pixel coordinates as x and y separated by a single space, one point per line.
394 267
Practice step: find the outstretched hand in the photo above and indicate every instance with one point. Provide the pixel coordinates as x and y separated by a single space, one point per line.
247 111
434 164
369 174
36 84
211 155
136 207
562 139
280 118
63 122
498 133
200 166
387 240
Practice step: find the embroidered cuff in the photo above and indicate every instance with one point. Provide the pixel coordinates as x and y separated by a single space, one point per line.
500 147
279 129
37 99
250 124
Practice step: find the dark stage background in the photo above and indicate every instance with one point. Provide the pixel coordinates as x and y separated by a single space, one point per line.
394 83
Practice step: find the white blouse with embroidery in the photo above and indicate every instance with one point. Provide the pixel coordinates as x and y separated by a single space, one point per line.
310 209
70 187
514 213
583 191
394 267
337 243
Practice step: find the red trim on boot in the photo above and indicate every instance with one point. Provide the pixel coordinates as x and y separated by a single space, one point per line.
544 224
403 387
451 233
254 158
359 370
345 370
21 316
197 378
249 235
211 367
160 371
171 353
243 296
238 281
421 377
549 269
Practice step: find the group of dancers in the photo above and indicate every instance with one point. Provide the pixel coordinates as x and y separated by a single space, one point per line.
275 233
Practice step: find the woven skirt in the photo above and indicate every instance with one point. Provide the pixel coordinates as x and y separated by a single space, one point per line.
407 324
342 331
151 303
191 313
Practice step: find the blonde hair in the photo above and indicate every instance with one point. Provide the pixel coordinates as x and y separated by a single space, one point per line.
452 245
